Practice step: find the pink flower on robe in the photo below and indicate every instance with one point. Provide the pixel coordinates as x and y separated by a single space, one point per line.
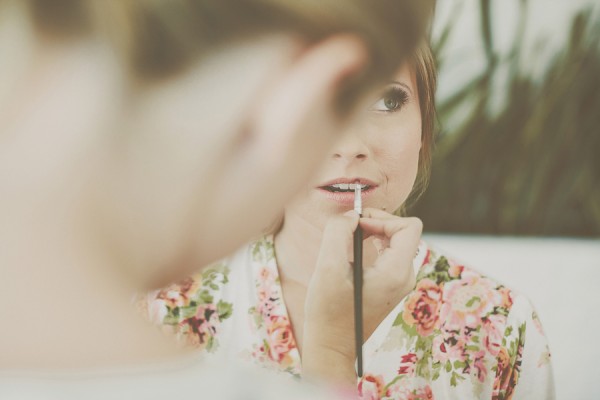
492 329
422 307
280 338
467 300
371 387
202 327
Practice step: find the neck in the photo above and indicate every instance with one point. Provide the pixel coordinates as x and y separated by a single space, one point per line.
297 247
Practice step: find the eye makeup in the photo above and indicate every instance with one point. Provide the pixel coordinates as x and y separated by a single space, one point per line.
394 97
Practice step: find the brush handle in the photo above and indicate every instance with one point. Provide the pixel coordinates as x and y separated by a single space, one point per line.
358 303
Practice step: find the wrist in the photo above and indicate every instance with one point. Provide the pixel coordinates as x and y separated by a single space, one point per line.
323 363
330 357
326 336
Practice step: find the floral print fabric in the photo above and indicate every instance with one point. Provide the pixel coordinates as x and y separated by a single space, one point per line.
457 335
190 308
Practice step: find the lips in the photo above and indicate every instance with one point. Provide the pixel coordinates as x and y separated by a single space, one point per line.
341 190
346 182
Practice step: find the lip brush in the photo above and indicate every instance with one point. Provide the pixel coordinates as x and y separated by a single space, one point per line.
358 283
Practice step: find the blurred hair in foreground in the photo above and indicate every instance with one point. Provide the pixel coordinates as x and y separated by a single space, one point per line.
157 39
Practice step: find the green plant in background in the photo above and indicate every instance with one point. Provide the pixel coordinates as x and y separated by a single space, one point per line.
532 167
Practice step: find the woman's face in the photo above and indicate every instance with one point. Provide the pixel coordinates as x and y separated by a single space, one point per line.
381 152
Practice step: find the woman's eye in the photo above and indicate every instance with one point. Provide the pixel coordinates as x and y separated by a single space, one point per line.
392 100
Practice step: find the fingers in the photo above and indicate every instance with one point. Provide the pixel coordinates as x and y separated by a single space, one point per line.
291 110
407 239
374 213
377 213
402 236
337 239
389 226
339 230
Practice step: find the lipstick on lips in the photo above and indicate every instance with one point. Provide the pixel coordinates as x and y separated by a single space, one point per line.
342 190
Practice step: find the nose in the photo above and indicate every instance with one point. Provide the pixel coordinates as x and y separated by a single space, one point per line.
351 148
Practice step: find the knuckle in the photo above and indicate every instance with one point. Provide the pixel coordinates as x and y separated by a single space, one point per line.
415 223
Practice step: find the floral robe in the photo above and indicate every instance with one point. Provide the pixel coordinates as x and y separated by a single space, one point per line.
457 335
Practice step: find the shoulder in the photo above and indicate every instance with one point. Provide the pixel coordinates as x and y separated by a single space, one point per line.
465 294
462 332
451 299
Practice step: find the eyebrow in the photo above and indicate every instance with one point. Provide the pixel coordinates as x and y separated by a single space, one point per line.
404 85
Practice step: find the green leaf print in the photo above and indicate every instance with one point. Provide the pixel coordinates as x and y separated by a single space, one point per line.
224 309
201 291
258 320
455 378
423 365
396 379
205 297
410 330
214 275
440 271
187 312
171 319
424 343
516 345
474 299
436 371
522 330
471 347
263 250
499 311
211 344
422 368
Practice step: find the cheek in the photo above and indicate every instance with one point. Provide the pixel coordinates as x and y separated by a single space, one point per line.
399 161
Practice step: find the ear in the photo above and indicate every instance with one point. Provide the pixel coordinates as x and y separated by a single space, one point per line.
301 103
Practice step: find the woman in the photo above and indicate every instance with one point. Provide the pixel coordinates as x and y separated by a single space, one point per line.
435 329
121 139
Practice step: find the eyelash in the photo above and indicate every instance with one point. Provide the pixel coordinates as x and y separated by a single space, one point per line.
394 93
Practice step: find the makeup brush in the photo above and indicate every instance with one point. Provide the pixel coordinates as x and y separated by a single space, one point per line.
358 283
